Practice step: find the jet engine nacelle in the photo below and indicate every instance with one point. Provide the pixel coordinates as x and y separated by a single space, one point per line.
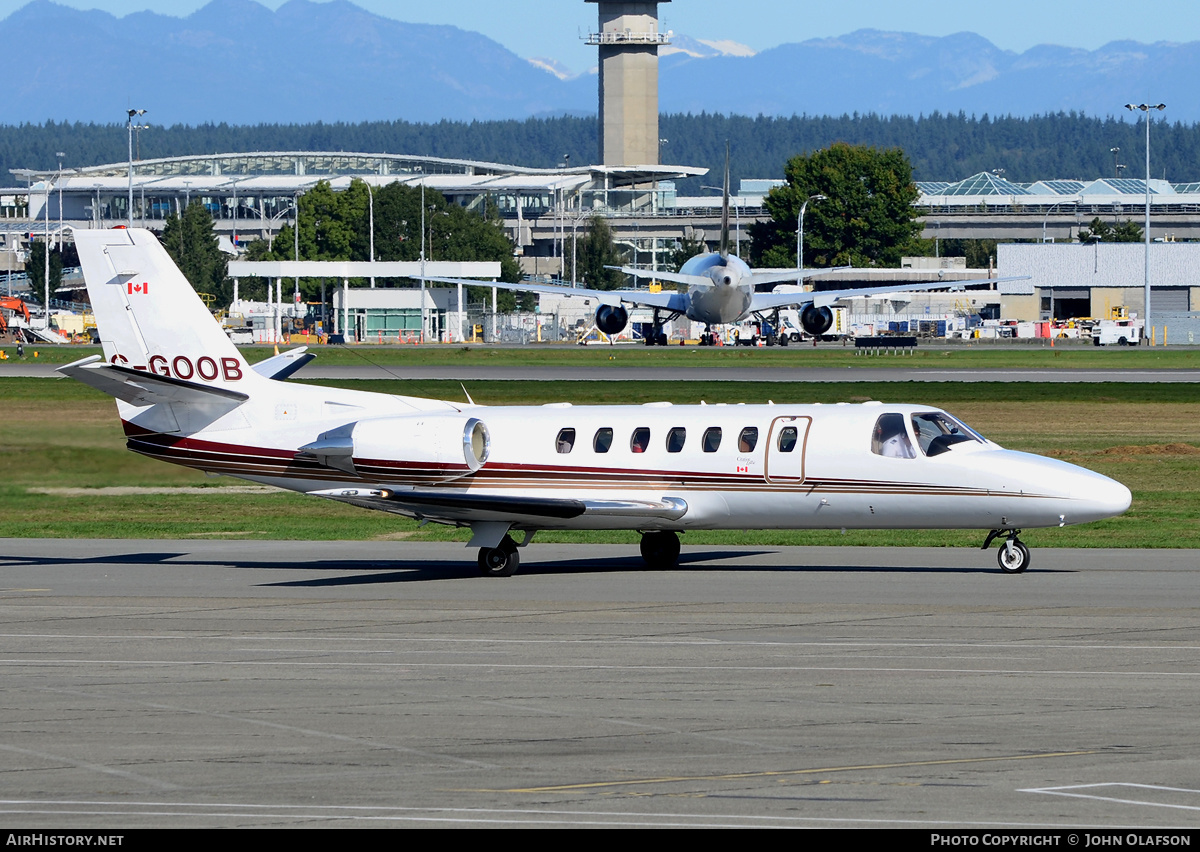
816 321
436 446
612 319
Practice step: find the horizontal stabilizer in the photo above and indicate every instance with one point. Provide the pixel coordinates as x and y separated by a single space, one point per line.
660 275
139 387
279 367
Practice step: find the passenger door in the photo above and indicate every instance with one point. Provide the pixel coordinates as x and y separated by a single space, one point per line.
786 445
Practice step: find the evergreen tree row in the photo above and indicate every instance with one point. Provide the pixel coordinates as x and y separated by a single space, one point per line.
940 147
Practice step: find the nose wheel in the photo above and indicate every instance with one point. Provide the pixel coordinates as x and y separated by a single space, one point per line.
1013 556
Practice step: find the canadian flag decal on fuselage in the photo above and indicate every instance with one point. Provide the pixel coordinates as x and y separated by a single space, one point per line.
142 289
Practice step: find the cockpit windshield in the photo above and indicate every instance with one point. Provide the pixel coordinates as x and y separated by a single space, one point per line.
937 432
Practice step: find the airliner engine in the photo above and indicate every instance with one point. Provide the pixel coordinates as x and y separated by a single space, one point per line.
816 321
612 319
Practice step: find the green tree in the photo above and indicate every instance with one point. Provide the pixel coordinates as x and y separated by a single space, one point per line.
685 250
1125 232
192 244
36 268
336 226
329 222
451 233
595 251
866 218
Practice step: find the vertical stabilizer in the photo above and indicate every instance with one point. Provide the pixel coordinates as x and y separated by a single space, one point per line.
725 208
148 315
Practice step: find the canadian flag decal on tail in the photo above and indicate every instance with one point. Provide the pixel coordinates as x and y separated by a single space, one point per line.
143 288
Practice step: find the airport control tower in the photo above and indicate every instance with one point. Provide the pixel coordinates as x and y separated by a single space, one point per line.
628 39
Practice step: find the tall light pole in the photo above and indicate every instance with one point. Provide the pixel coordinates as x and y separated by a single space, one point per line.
60 213
800 237
1051 210
1116 152
423 314
371 225
129 124
46 258
1146 109
234 184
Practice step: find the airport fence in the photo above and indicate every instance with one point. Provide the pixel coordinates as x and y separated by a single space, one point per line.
1178 327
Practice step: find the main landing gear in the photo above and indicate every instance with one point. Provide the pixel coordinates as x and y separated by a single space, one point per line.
660 549
1013 556
501 561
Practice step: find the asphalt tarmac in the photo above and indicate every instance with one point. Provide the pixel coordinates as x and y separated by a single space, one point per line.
249 683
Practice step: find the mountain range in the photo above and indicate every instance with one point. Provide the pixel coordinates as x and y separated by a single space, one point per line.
238 62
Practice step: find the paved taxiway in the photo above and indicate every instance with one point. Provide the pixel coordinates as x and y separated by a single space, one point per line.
316 371
337 683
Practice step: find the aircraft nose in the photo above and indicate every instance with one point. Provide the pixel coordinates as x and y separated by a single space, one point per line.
1097 497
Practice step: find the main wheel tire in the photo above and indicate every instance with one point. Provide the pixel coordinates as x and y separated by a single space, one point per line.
1017 562
660 550
501 561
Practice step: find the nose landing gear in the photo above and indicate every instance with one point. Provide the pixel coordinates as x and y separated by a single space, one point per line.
1013 556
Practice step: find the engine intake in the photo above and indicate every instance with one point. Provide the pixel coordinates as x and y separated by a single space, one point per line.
612 319
816 321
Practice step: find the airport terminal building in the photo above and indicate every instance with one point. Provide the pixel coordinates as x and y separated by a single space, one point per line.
251 195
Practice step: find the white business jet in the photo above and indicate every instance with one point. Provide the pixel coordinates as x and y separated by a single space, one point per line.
185 395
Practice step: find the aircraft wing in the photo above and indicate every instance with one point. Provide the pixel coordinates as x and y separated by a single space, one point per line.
465 506
667 299
139 387
825 298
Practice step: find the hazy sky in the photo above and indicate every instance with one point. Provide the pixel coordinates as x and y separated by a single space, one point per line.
551 27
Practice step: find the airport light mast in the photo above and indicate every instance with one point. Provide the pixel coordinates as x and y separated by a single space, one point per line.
129 124
800 237
1146 109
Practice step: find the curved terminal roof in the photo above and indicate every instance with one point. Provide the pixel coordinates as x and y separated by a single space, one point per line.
311 166
988 189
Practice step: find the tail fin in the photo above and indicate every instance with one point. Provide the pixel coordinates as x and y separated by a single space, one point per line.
725 207
148 315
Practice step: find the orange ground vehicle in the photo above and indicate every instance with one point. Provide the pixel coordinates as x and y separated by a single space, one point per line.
15 305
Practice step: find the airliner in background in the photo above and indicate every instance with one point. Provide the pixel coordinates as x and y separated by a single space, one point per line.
185 395
720 288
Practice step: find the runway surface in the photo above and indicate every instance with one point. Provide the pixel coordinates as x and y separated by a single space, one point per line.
315 371
207 683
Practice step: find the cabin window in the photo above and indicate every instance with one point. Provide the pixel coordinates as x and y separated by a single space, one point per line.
566 440
937 432
675 439
748 440
712 439
890 438
787 439
603 440
640 439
